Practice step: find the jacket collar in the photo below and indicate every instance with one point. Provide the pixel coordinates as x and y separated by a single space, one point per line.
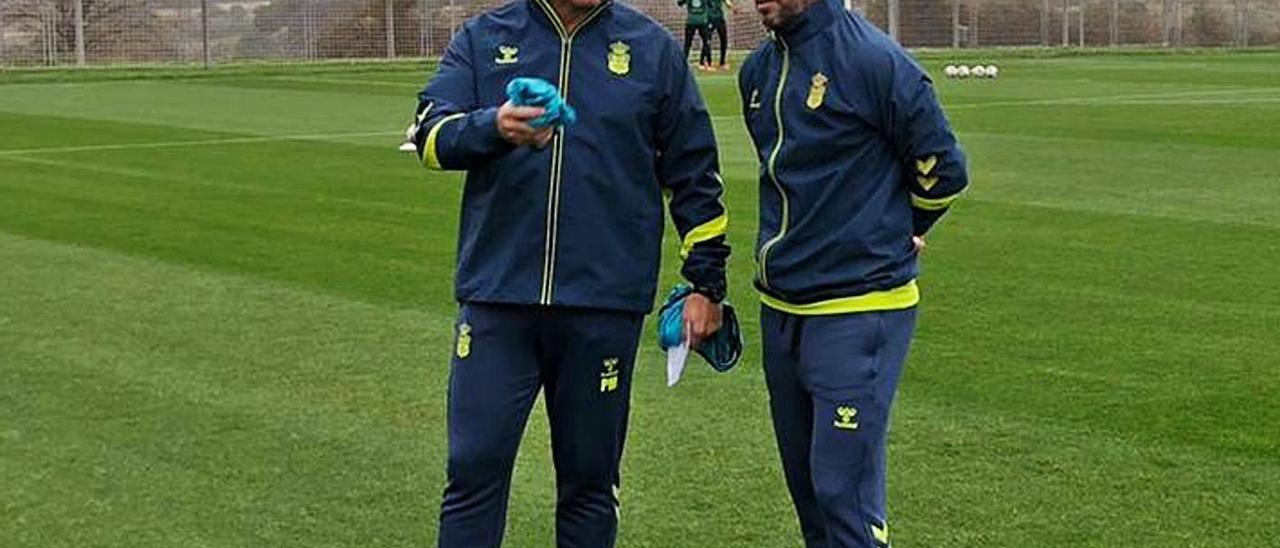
547 14
819 15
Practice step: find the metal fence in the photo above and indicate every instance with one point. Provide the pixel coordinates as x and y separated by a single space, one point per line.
134 32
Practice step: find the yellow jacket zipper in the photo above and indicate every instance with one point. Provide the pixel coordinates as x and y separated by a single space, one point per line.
546 297
763 258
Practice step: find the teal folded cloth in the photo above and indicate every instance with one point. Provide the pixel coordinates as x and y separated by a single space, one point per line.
536 92
722 351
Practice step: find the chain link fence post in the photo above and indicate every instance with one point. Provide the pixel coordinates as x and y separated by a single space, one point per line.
390 24
1045 10
1080 22
423 32
79 31
453 18
1242 22
204 33
894 30
1113 24
430 26
48 33
955 24
1180 27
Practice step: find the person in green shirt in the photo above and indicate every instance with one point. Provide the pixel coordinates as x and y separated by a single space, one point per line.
715 22
696 22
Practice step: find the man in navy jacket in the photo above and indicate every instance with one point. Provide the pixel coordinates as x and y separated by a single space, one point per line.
559 245
857 164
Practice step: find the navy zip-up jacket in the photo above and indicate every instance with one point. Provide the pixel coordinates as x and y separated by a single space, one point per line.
580 222
856 157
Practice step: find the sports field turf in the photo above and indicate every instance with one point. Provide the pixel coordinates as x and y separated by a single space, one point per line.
225 314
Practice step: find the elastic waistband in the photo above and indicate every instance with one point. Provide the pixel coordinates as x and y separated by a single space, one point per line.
898 298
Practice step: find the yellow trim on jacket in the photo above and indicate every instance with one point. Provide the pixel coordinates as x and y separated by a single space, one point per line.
898 298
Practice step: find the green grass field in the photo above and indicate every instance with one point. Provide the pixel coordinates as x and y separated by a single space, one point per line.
225 312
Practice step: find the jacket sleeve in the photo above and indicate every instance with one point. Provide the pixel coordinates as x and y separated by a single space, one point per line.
922 138
689 172
455 132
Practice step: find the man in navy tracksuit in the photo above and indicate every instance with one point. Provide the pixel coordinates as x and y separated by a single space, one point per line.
559 245
857 163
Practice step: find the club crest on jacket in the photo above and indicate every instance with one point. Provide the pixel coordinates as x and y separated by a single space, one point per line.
817 91
619 58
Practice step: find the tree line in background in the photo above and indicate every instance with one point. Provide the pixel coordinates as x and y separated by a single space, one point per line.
44 32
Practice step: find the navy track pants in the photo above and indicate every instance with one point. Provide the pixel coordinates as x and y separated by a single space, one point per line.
582 360
831 384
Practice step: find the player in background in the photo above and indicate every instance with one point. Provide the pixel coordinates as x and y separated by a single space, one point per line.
716 23
559 245
858 162
695 23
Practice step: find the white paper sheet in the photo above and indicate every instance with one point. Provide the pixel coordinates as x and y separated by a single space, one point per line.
676 356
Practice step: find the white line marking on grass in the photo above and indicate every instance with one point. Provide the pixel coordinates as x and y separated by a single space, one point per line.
346 81
202 142
314 197
1205 97
1193 102
1223 94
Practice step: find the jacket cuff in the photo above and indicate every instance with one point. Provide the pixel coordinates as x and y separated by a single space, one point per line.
705 269
716 291
473 137
923 220
490 139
